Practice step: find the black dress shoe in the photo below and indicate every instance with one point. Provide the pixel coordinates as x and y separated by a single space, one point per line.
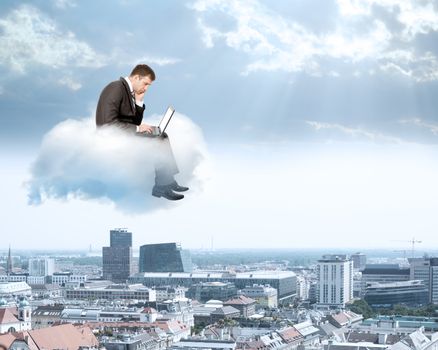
175 187
166 192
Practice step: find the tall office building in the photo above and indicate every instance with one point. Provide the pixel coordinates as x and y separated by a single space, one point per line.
41 267
120 238
359 261
426 270
164 257
334 281
117 258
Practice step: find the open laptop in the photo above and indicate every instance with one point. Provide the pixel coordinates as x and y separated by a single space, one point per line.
161 128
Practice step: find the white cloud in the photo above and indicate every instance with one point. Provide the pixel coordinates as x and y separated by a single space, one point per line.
272 42
71 83
76 161
432 127
65 4
154 60
357 133
28 37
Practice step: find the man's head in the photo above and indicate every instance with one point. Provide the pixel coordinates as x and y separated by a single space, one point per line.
141 78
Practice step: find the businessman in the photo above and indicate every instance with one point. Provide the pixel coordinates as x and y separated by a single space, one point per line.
121 105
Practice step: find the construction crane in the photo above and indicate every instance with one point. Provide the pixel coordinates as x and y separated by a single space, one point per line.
412 241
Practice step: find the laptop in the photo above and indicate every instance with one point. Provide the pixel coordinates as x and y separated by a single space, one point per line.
161 128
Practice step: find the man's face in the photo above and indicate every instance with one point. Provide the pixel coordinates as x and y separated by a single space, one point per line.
141 84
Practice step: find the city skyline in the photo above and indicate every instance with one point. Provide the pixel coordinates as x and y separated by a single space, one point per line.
301 124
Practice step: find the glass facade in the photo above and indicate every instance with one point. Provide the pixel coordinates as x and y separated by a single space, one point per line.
164 257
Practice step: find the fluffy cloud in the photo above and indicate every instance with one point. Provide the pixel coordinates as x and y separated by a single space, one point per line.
76 161
27 37
273 42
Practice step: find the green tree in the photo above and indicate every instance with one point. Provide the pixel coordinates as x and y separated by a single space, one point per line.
361 307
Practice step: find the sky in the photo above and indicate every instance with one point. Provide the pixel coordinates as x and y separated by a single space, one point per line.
300 124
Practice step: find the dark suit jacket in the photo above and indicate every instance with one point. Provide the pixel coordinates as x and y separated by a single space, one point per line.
116 107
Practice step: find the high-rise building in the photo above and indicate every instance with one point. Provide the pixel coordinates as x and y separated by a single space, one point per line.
359 261
334 281
120 237
41 267
117 258
164 257
426 270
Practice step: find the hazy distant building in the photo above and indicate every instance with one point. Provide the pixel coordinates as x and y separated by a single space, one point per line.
426 269
359 261
112 292
41 267
164 257
205 291
117 258
9 266
386 295
265 296
284 282
335 281
383 273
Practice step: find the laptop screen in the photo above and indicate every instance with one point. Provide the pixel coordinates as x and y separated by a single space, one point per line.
166 119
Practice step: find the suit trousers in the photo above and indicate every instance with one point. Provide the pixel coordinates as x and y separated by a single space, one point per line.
164 160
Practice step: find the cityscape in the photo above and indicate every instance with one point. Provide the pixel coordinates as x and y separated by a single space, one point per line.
287 200
161 299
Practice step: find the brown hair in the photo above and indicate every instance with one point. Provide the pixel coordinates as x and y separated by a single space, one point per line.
143 70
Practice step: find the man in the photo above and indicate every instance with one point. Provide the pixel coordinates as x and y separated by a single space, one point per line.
121 105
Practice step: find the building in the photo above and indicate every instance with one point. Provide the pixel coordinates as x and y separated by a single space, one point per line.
382 273
205 291
117 258
265 296
385 295
46 316
170 293
64 336
359 261
15 319
42 267
164 257
426 269
120 237
62 278
8 289
111 292
245 305
335 281
283 281
9 265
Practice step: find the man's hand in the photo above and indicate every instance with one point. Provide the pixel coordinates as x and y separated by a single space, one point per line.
145 128
139 97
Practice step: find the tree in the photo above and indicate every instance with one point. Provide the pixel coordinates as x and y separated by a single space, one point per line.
361 307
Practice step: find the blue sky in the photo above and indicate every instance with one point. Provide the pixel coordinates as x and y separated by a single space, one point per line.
319 116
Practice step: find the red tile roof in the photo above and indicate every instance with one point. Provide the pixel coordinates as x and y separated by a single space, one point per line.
290 334
240 300
65 336
6 340
6 316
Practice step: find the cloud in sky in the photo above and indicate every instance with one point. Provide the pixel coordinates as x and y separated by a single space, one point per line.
356 133
432 127
273 42
76 161
29 37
